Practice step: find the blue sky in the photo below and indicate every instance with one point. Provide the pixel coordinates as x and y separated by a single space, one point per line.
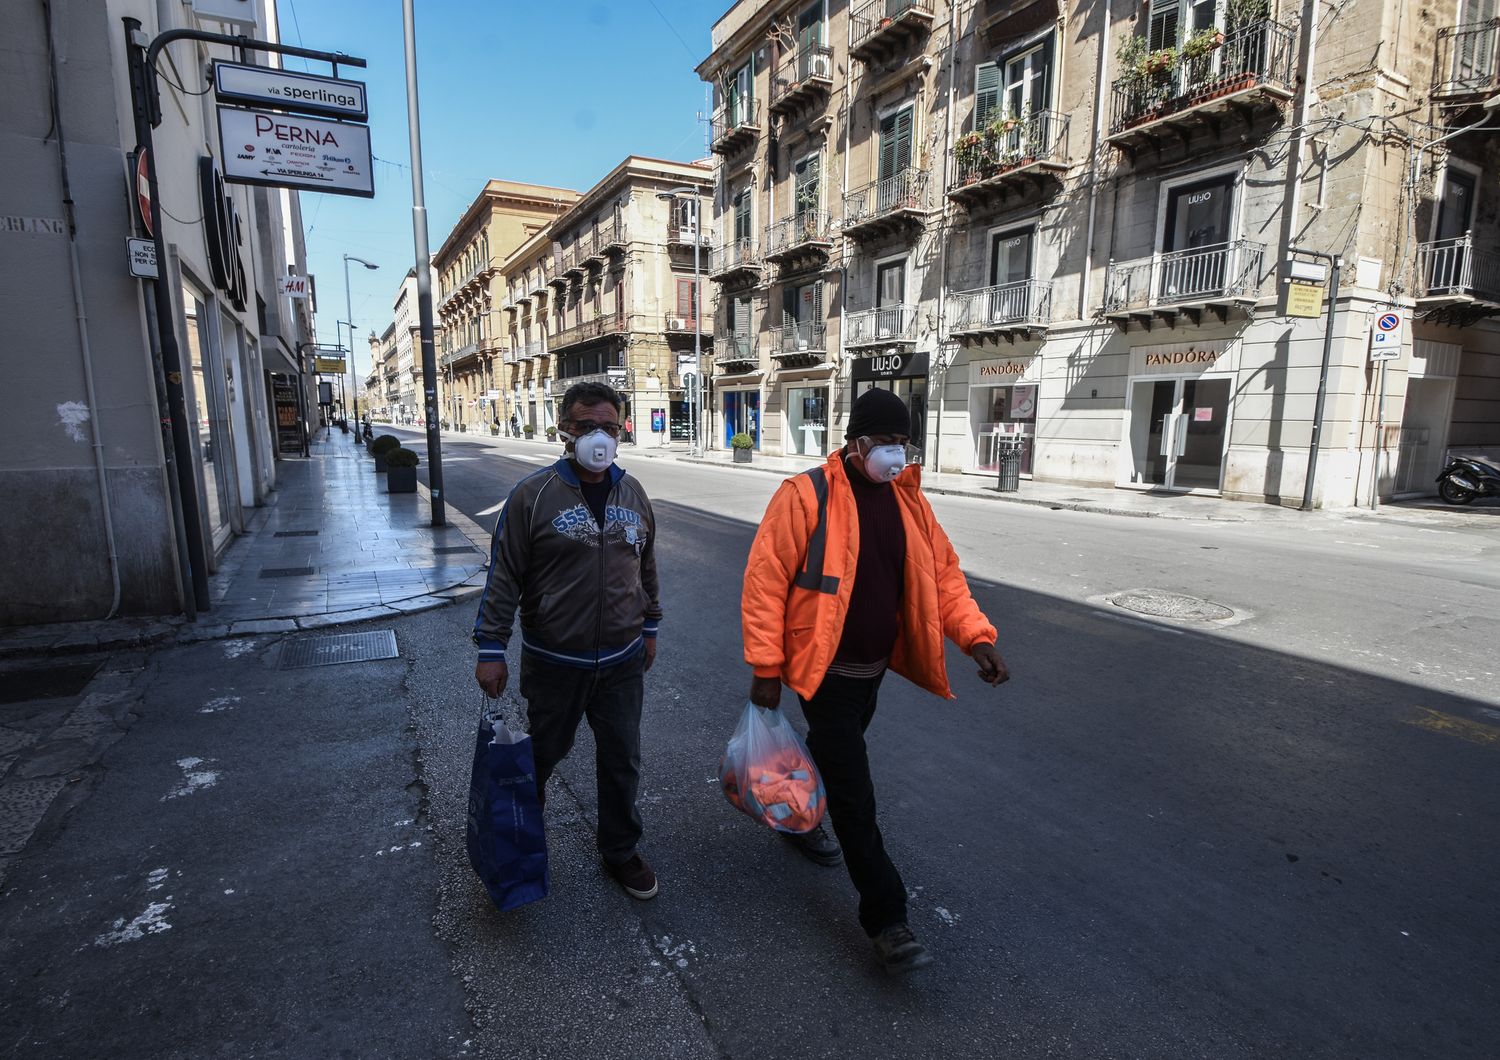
552 93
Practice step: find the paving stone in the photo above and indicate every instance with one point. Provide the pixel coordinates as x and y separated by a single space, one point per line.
23 804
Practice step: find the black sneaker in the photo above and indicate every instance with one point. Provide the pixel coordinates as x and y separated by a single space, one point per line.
817 846
635 876
899 951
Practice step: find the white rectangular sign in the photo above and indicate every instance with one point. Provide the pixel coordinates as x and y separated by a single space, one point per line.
290 151
241 12
1385 335
265 86
142 258
292 286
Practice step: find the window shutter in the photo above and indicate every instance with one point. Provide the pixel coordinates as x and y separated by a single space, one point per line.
986 93
903 138
1165 16
685 298
817 304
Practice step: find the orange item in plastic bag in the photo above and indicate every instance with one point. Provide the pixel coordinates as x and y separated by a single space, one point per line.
768 774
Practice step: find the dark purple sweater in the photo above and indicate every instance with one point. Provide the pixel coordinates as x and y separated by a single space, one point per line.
874 617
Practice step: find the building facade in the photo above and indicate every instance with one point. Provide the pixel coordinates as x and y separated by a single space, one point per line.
1062 226
466 267
607 293
89 462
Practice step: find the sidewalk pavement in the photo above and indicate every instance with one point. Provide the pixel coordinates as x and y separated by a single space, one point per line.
330 546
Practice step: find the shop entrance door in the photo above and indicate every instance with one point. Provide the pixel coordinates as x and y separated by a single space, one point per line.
1178 428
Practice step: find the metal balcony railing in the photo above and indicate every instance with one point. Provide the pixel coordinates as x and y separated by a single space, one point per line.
1007 143
1024 303
810 226
734 256
1468 59
463 352
1262 53
810 67
872 19
1225 271
902 191
681 233
585 331
1453 268
801 337
888 324
733 121
735 349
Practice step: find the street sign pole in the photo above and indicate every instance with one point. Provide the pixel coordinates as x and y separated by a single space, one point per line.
1335 264
423 267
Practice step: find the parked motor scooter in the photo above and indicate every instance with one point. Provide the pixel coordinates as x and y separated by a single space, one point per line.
1466 478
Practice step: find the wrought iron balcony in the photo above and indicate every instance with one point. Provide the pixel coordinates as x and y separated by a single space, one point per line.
537 284
585 331
737 353
463 353
1453 273
804 79
806 236
888 325
1251 71
682 233
1010 154
1468 63
527 351
880 28
898 202
735 126
572 261
1185 282
801 342
735 261
1007 309
612 239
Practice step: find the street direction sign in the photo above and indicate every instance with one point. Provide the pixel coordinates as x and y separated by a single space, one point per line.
266 86
142 190
1385 336
291 151
142 258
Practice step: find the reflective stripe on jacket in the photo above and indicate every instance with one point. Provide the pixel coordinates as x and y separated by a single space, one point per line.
794 601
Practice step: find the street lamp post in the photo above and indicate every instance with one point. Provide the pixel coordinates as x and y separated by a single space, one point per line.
695 391
349 320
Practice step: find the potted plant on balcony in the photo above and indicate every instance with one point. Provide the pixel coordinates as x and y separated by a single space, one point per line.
381 448
968 152
402 474
742 445
1241 13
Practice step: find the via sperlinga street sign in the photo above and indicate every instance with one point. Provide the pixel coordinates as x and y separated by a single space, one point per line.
266 86
291 151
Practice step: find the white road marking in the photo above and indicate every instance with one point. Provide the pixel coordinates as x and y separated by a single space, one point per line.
193 778
150 922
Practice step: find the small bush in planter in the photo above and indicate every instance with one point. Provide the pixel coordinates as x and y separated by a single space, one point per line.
381 448
528 430
551 434
401 471
742 444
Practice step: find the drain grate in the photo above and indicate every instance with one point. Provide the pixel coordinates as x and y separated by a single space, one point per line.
450 550
45 682
286 572
1159 603
297 533
330 649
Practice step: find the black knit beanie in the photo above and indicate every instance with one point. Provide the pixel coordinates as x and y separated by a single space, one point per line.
878 411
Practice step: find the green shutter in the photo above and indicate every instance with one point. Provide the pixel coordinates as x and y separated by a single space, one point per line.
1165 17
986 93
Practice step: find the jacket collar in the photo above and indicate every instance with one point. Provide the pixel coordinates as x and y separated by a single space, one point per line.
566 472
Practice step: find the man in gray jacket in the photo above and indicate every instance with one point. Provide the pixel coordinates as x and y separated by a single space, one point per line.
574 550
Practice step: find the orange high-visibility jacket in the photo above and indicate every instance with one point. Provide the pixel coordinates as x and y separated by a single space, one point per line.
800 576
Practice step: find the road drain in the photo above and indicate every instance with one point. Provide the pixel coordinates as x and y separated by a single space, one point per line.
330 649
1159 603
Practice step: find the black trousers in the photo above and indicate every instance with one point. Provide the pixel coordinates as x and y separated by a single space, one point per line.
557 699
837 717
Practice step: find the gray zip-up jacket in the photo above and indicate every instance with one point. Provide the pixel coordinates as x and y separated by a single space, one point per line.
587 594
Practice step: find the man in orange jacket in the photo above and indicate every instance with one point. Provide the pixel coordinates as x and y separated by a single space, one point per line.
850 575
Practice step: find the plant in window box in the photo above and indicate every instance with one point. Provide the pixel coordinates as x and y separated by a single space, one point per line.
1159 64
401 476
1202 43
742 445
969 152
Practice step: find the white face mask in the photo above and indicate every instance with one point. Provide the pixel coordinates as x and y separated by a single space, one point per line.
884 462
594 451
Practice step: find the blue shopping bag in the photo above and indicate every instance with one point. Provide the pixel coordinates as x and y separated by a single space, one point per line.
505 838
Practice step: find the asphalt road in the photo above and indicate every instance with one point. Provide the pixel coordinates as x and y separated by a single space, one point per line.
1269 836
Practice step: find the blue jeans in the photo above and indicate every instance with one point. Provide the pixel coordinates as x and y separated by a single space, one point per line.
557 699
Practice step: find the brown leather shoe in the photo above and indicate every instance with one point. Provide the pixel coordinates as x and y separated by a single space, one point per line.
635 876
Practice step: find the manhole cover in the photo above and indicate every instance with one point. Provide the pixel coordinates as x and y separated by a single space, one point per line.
329 649
296 533
449 550
45 682
285 572
1160 603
